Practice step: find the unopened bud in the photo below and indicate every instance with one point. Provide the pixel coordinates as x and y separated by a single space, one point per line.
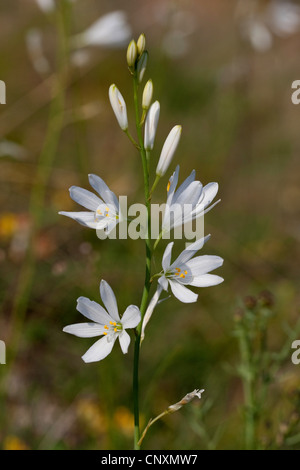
168 150
147 95
119 106
141 66
151 125
131 54
141 44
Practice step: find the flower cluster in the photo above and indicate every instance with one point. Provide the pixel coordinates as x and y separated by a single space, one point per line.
103 212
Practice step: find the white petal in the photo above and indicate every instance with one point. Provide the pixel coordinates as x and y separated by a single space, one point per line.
190 251
84 218
131 317
182 293
206 280
109 299
152 304
84 330
163 282
124 339
190 194
92 310
85 198
166 261
101 187
204 264
186 183
99 350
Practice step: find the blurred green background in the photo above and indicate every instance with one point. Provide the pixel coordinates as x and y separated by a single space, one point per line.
224 71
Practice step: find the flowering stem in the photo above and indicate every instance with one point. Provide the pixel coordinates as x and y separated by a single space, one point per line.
147 283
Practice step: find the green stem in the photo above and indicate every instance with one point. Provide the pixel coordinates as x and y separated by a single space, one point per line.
248 385
147 283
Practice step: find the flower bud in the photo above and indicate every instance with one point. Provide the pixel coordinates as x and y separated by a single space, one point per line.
147 95
141 66
151 125
141 44
131 53
168 150
119 106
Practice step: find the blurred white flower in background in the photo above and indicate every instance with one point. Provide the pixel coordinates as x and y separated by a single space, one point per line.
110 30
48 5
11 149
259 23
34 44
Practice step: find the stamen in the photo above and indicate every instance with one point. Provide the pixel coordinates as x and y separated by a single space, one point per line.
105 334
168 186
106 327
115 330
182 275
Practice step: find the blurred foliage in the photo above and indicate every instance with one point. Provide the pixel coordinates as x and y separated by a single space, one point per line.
240 129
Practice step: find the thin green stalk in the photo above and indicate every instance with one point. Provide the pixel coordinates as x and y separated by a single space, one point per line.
248 385
147 283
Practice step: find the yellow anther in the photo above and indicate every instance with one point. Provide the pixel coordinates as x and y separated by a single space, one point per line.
168 186
182 275
115 323
178 269
176 274
105 334
111 323
99 212
185 272
106 327
115 330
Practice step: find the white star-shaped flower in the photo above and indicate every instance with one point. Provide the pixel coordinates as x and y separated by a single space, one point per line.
105 322
189 271
103 212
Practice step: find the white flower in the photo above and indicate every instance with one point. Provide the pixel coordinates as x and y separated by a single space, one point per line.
110 30
106 322
151 125
184 271
190 195
189 271
104 211
119 106
168 150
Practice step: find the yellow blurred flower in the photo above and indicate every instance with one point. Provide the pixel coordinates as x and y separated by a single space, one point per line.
91 415
8 224
14 443
123 420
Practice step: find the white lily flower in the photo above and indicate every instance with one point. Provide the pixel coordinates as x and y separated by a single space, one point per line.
151 125
168 150
104 211
189 271
184 271
119 106
190 195
110 30
106 322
